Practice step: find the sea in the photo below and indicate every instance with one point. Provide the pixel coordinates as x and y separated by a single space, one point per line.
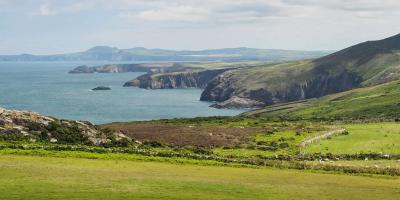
47 88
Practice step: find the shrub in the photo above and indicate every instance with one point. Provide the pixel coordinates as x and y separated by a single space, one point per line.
67 135
153 144
267 148
283 145
345 132
262 143
200 150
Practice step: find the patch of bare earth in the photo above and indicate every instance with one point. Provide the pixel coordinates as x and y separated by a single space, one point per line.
182 135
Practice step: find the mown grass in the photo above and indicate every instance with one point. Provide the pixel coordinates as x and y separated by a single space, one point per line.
362 138
32 177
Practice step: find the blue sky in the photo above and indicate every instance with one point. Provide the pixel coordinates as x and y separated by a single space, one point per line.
60 26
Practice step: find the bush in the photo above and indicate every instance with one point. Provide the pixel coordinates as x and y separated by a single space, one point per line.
267 148
283 145
345 132
153 144
14 137
200 150
67 135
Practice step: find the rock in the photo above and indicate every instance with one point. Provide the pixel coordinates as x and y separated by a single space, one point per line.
53 140
239 102
2 122
186 79
82 69
29 124
101 88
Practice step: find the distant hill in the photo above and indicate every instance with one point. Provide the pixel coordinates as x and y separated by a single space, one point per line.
105 53
366 64
375 102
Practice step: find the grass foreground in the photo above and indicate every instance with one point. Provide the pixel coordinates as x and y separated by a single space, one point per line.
34 177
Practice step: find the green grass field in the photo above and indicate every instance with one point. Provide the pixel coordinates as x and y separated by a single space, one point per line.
363 138
32 177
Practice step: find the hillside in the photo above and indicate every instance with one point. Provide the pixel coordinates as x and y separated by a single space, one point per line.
376 102
105 53
365 64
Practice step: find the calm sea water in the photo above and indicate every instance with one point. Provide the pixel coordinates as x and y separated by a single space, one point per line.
47 88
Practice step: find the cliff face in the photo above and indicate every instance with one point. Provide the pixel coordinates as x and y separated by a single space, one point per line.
191 79
226 89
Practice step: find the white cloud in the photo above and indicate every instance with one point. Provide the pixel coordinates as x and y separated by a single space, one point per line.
349 5
45 10
189 24
175 13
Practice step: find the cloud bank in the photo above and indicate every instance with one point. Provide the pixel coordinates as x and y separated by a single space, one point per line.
48 26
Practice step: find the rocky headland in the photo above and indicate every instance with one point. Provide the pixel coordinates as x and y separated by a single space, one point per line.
123 68
188 79
30 126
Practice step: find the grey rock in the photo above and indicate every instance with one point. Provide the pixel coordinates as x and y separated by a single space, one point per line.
102 88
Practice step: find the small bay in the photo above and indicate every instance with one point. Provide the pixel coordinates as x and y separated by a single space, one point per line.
47 88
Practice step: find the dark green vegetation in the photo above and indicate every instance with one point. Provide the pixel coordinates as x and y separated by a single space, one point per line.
379 102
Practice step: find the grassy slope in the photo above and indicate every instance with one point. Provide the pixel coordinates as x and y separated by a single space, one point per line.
363 138
270 77
30 177
371 102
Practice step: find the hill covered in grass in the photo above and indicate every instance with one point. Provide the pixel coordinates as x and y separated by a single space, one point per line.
366 64
375 102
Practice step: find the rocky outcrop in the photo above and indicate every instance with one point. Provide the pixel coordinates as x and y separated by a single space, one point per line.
191 79
102 88
239 102
30 126
82 69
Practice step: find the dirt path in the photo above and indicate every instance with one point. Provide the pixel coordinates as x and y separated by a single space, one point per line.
323 136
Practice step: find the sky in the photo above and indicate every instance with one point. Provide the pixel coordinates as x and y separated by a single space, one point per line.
62 26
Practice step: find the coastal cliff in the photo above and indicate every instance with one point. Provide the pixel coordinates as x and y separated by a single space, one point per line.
123 68
227 90
366 64
188 79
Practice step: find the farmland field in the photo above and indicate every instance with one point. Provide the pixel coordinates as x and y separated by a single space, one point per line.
362 138
33 177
